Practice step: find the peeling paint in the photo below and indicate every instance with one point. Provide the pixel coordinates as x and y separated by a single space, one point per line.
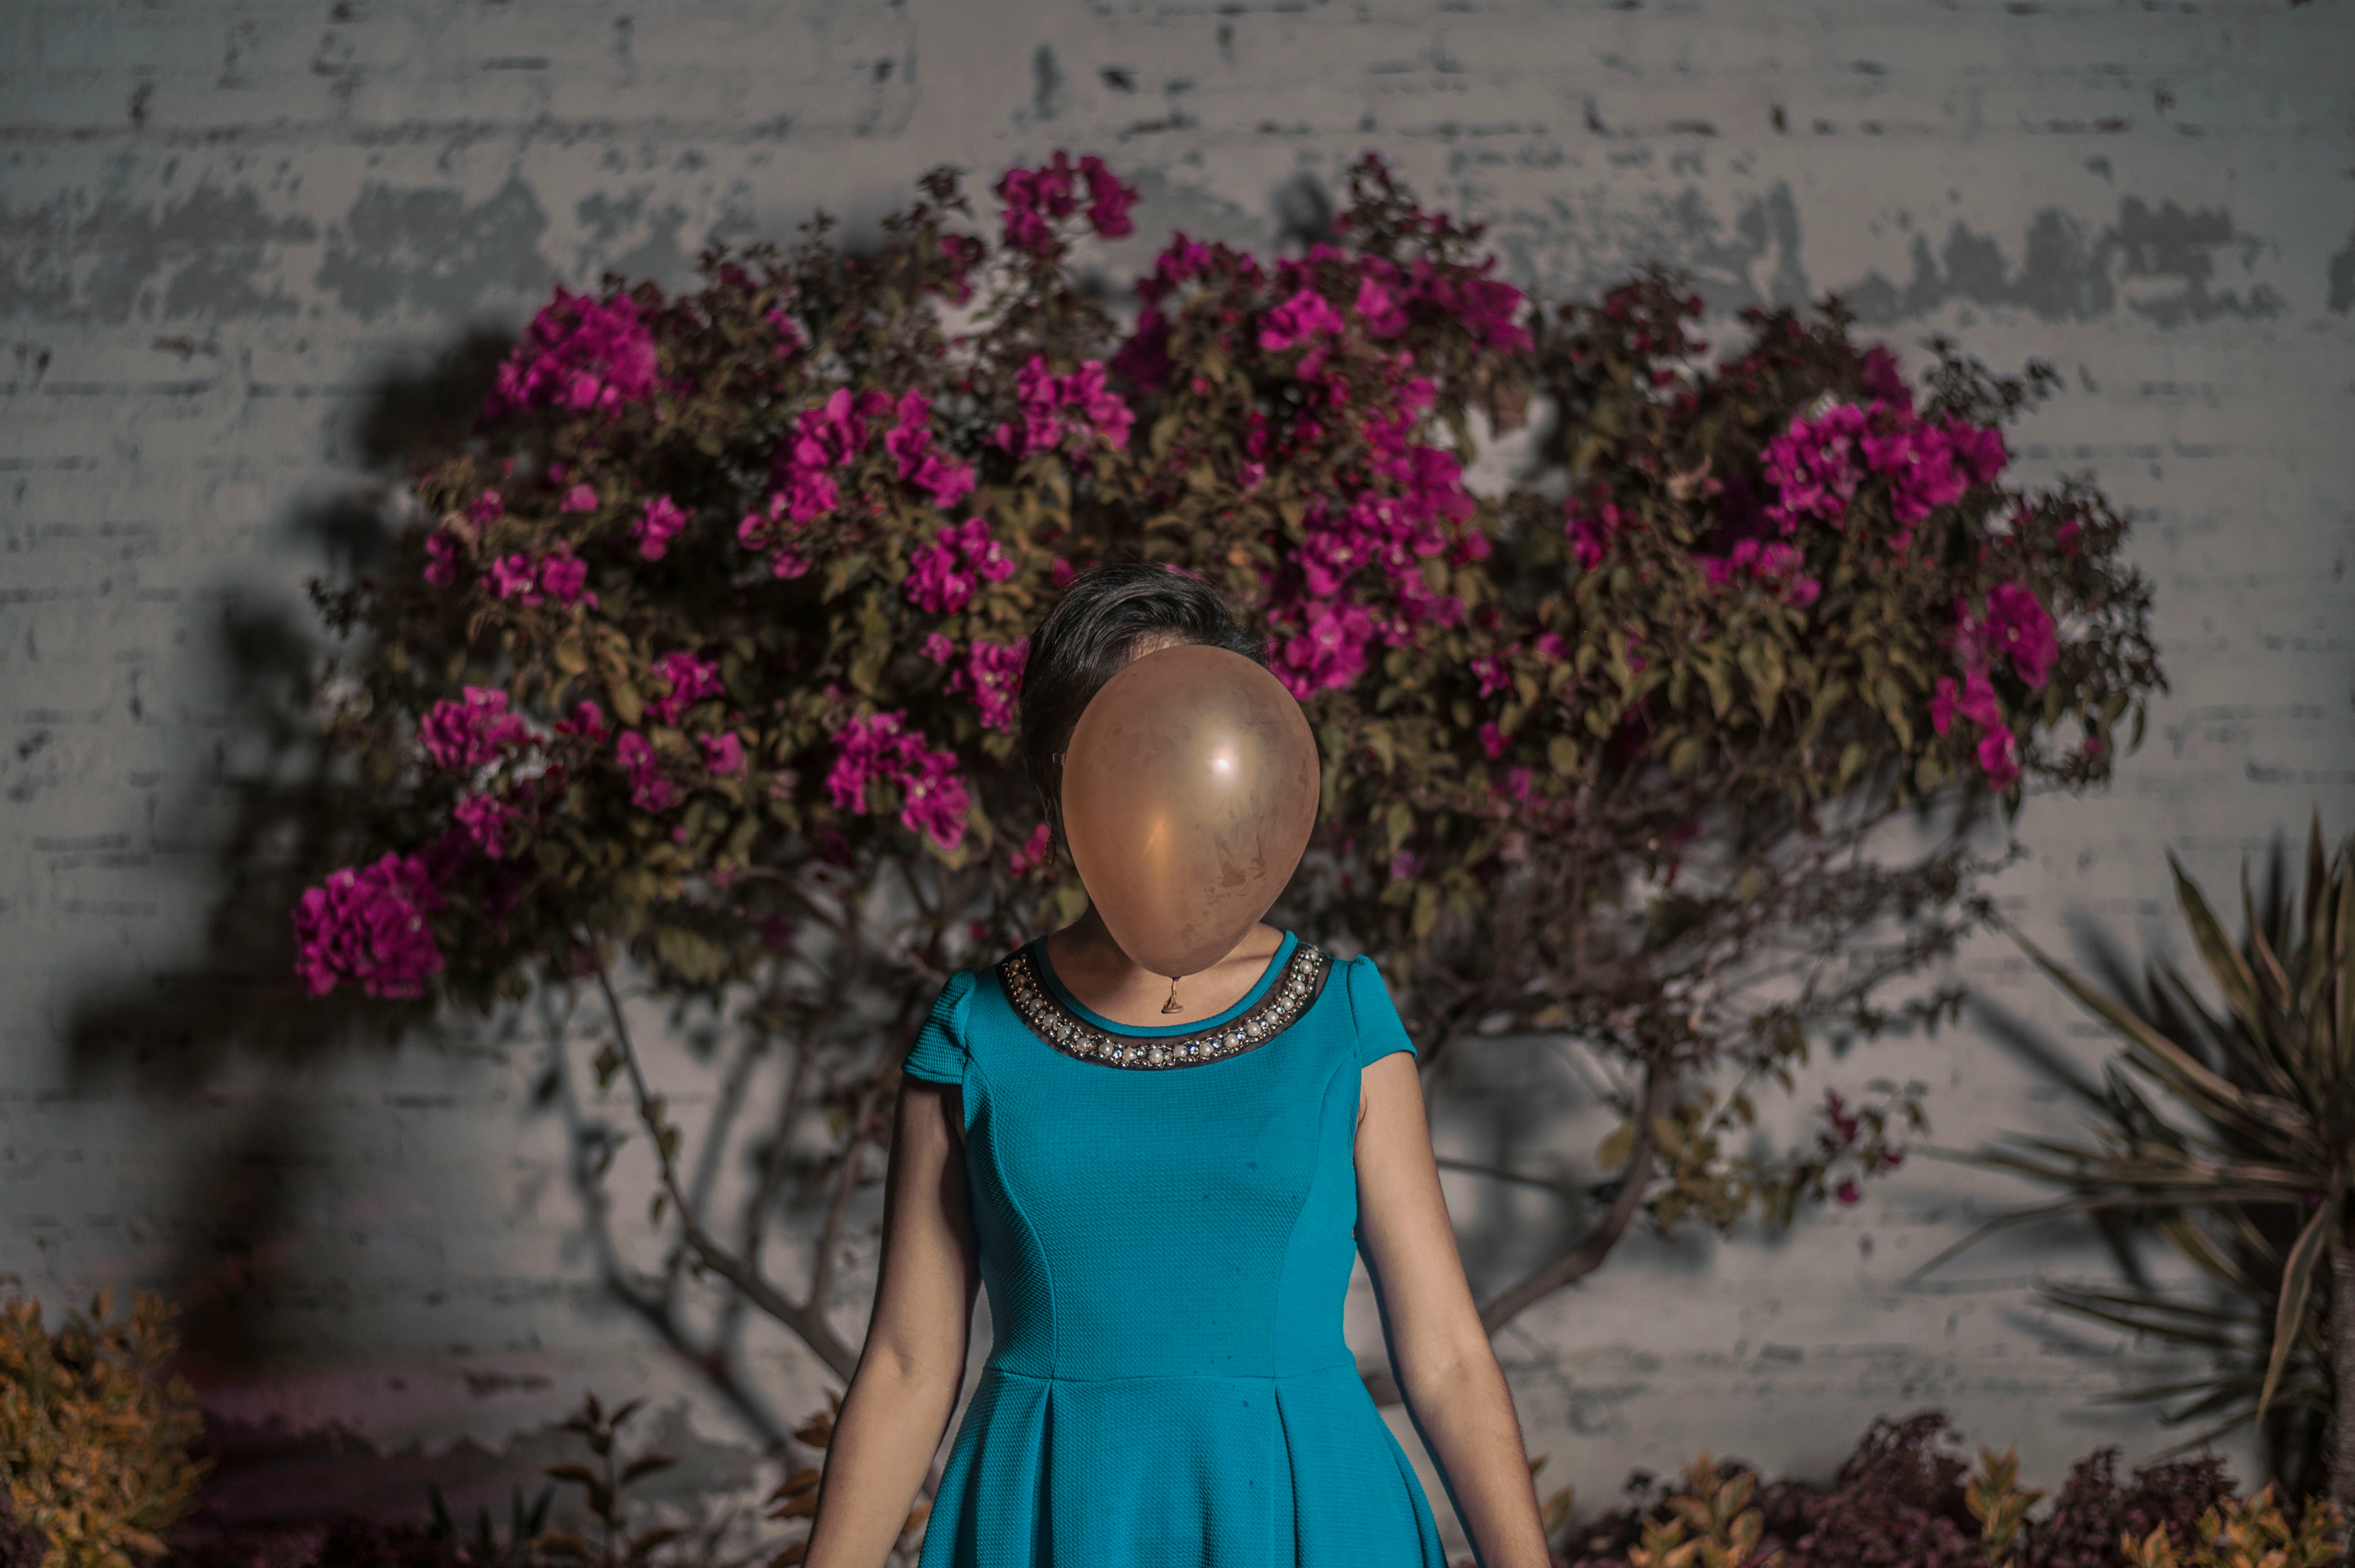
213 254
426 250
612 220
2342 278
2065 276
1752 260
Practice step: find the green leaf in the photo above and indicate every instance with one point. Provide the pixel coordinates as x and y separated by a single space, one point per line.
1613 1151
628 706
1561 754
2297 1284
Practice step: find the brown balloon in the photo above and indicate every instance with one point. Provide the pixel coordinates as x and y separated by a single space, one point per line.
1190 789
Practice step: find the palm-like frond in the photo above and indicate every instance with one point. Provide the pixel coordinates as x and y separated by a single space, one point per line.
2231 1133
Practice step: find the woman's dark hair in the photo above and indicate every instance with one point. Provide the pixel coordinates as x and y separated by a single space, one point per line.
1108 615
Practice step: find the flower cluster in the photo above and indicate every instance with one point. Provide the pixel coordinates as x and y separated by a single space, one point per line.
2017 625
691 679
1590 529
942 576
1817 464
1071 411
580 353
1412 508
560 575
657 526
486 819
1038 198
909 443
462 734
1035 854
370 926
1773 564
642 767
881 748
991 675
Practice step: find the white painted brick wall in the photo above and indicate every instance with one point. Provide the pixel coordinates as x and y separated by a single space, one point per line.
227 226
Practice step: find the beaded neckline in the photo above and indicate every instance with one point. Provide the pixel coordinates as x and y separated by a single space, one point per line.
1276 1010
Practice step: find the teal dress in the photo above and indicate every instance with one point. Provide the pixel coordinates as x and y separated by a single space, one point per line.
1166 1220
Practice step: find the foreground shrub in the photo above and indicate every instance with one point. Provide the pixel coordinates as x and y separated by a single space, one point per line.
93 1438
1903 1500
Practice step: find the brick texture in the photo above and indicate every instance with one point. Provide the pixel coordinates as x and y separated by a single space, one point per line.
247 245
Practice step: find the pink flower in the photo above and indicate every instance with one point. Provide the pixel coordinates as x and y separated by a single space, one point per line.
440 560
516 577
657 526
1047 401
1061 572
579 354
1976 701
1999 758
791 339
938 648
368 925
1493 740
723 754
776 930
691 680
649 791
580 498
943 576
1492 672
462 735
993 674
486 819
486 506
1378 310
909 443
773 531
1405 866
1033 197
1772 563
1919 462
1328 651
1979 450
1848 1191
565 579
1591 533
2019 624
1304 316
1814 467
1108 200
1035 854
1552 647
879 749
588 721
1883 380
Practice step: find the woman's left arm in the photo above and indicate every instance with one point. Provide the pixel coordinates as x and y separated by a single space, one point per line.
1445 1367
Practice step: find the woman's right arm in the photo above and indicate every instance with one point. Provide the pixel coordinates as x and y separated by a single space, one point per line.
913 1365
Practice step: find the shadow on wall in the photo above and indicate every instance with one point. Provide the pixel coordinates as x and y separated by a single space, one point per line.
187 1033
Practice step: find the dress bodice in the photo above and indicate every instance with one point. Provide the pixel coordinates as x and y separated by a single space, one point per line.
1167 1249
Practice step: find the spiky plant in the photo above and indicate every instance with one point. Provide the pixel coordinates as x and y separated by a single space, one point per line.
2231 1132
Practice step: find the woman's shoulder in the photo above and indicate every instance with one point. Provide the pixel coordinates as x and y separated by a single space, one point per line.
940 1049
1373 1017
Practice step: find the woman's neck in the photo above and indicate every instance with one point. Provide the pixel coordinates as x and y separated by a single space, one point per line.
1109 982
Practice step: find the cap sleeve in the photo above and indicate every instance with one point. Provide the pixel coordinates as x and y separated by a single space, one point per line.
1380 1032
938 1054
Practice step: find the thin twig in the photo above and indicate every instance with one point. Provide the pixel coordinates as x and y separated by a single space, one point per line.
807 1322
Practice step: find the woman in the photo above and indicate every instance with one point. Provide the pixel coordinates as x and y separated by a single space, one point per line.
1167 1242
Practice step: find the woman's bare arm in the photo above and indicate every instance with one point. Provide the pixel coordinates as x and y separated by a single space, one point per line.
913 1365
1445 1367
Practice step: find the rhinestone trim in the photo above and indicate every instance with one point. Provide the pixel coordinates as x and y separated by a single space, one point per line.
1303 978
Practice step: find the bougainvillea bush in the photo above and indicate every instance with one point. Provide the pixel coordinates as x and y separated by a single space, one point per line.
706 648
